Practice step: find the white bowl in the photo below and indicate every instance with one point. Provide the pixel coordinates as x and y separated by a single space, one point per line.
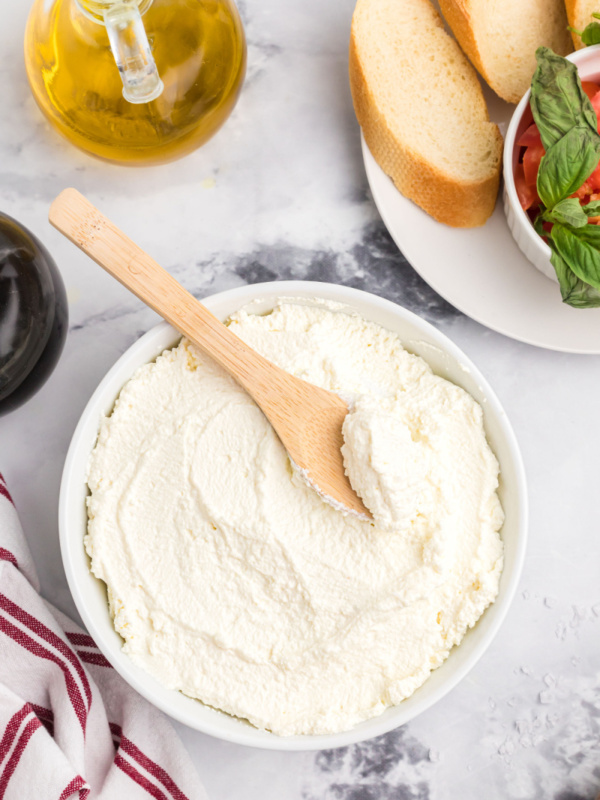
531 245
419 337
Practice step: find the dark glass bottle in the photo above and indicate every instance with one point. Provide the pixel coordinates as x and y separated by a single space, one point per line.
33 314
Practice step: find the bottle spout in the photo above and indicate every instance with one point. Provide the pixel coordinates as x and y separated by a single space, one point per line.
131 49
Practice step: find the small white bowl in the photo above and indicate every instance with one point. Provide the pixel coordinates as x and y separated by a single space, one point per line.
531 245
419 337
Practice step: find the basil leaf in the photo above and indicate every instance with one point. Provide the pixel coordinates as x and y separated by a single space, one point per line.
590 234
574 291
582 295
592 209
591 34
566 277
581 255
567 165
538 224
558 102
568 211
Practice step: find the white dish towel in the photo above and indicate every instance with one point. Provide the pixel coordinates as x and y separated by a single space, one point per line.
70 727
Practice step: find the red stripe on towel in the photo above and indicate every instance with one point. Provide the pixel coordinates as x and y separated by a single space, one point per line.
115 729
94 658
13 726
77 785
5 493
45 716
138 778
43 713
37 649
3 489
150 766
49 636
13 761
6 555
80 639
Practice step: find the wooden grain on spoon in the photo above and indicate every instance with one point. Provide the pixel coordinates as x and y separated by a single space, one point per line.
307 419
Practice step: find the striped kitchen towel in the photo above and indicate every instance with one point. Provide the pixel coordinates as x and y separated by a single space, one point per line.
70 727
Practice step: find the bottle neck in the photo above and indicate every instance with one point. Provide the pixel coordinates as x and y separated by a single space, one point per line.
95 9
129 44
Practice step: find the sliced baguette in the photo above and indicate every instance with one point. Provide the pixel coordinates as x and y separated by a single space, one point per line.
579 14
501 38
422 112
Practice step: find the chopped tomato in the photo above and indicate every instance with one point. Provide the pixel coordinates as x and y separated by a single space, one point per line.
594 180
590 88
531 162
527 195
531 136
596 103
533 151
583 193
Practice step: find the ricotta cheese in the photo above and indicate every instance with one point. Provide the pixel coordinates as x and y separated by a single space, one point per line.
231 580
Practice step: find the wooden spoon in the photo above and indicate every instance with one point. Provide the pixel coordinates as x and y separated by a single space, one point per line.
307 419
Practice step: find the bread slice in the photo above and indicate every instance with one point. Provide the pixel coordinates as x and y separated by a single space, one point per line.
579 14
501 38
422 112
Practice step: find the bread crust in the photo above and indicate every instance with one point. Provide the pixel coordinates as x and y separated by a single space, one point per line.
458 18
456 13
572 7
465 204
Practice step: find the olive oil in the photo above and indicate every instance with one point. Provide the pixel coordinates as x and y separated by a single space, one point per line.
199 50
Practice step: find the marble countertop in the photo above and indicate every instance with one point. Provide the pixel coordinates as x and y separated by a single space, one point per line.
281 193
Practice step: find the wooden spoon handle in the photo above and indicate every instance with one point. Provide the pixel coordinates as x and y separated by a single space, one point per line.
81 222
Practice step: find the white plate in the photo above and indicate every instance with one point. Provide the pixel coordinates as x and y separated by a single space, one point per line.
481 271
